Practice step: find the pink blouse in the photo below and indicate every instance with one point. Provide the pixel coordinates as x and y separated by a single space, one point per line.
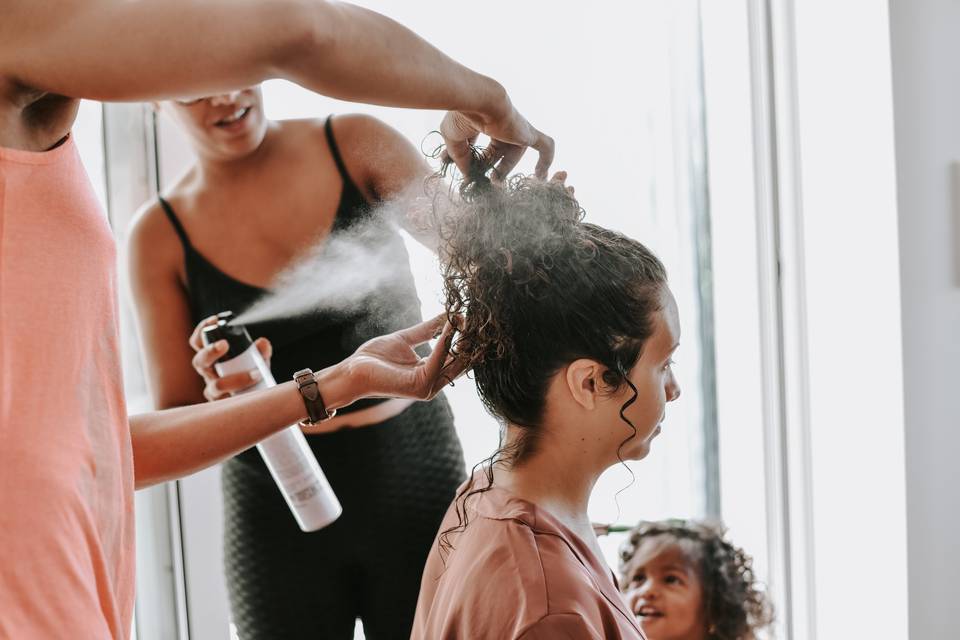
518 573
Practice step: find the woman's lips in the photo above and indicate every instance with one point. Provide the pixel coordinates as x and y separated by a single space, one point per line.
235 120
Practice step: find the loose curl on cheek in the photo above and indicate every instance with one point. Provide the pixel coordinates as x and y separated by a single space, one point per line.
532 288
623 416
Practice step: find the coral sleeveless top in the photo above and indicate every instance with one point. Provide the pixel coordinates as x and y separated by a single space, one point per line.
66 465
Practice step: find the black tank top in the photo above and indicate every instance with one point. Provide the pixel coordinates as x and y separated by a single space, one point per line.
320 338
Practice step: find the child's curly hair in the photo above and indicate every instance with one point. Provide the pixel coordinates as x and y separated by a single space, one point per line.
735 605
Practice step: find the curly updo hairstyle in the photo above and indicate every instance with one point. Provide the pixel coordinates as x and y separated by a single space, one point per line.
533 288
736 607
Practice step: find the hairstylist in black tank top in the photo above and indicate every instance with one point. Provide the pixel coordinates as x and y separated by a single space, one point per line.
261 194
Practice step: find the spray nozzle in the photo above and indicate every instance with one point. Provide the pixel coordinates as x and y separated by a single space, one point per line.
236 335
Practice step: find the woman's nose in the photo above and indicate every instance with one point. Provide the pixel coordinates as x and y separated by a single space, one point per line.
673 389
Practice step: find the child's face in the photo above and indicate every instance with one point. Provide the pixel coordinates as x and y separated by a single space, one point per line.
664 591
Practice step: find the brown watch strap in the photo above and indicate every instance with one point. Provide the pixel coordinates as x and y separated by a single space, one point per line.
312 400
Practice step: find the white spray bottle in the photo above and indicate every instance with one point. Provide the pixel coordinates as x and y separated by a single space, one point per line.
288 457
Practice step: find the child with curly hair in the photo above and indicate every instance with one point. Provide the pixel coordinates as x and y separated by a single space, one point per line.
685 581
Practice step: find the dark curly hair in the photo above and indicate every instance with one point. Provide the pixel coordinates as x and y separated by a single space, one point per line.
532 288
736 607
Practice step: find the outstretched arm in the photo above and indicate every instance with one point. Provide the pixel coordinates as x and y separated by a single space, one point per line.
175 442
149 49
152 49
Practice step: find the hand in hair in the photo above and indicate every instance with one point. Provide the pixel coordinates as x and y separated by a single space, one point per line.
560 177
510 135
388 366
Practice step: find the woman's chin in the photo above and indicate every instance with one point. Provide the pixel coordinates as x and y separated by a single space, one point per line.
641 449
638 452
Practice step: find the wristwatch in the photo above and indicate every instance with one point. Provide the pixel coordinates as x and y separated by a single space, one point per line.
316 410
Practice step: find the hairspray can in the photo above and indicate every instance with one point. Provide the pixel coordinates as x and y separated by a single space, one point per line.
286 453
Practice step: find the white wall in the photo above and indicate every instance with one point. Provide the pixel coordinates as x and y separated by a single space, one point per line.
925 38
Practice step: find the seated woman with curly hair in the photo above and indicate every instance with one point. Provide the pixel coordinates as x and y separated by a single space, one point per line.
569 329
685 581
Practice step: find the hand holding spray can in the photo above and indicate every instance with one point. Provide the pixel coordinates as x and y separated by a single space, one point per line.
288 457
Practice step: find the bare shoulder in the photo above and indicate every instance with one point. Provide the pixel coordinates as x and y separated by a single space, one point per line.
299 131
377 155
363 129
145 226
150 223
152 243
347 128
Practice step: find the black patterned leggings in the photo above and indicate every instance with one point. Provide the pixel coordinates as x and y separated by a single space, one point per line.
395 481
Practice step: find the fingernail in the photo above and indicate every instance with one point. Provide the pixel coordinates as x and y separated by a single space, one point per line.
221 344
255 375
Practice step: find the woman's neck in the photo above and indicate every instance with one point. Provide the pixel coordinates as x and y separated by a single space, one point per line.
213 170
557 477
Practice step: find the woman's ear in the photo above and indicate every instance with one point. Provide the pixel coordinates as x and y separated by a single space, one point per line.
584 382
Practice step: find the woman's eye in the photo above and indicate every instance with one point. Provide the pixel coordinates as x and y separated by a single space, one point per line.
669 364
